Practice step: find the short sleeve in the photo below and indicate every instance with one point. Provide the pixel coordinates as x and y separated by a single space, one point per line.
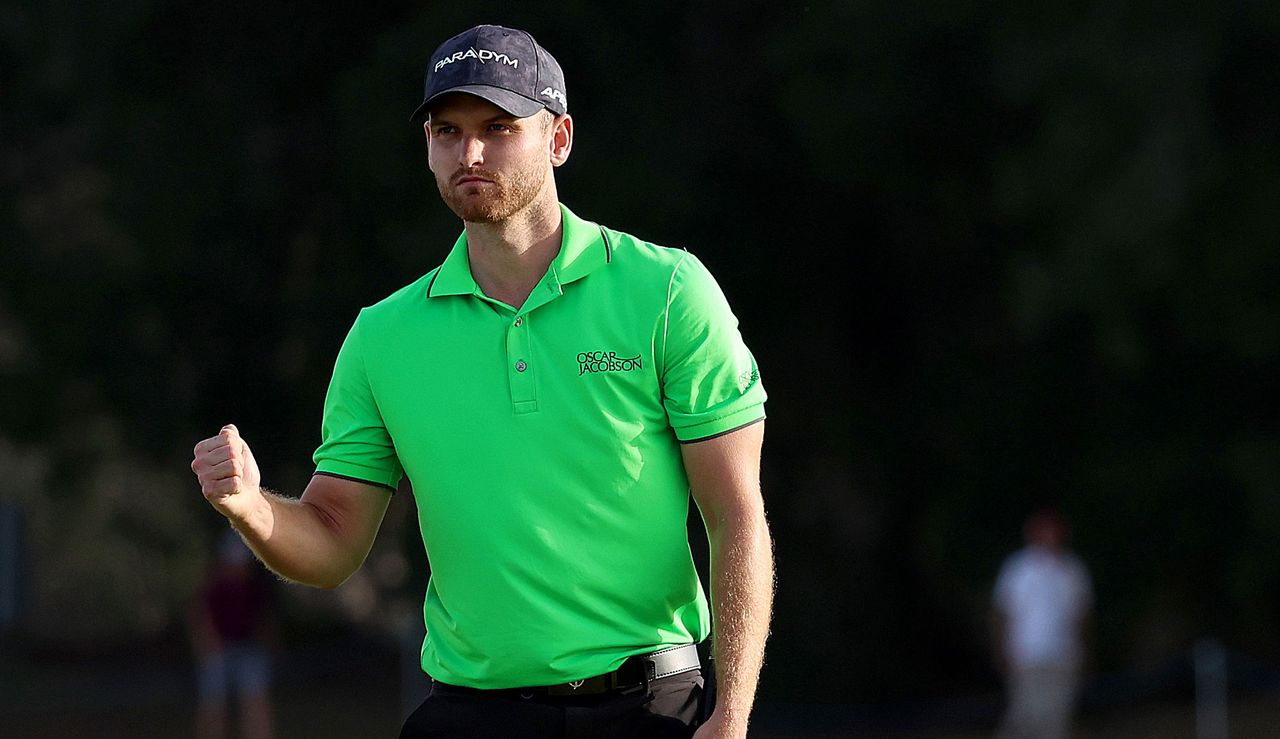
354 442
710 382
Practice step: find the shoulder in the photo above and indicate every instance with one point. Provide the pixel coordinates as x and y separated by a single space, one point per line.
1075 565
409 297
1015 563
681 275
634 253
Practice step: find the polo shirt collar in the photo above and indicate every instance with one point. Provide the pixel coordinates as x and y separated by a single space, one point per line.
583 249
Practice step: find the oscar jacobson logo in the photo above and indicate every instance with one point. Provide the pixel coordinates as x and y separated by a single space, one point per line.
593 362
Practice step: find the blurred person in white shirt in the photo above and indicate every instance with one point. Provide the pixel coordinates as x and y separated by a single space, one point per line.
1043 605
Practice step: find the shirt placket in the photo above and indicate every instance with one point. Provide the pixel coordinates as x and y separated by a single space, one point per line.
521 366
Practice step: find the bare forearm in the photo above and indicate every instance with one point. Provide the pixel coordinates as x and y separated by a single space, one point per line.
298 541
742 600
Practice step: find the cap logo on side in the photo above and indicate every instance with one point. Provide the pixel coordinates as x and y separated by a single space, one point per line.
554 94
484 55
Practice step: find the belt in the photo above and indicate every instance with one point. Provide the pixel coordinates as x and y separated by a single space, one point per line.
635 672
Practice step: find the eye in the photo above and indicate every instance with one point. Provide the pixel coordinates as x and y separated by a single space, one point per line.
443 129
499 127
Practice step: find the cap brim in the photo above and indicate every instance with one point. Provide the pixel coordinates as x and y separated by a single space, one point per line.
514 103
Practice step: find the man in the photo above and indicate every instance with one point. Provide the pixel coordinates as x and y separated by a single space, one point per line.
1043 598
554 391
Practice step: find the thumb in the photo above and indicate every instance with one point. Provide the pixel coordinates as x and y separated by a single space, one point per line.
230 427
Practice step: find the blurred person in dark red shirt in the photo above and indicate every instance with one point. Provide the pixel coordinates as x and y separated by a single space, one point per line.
233 631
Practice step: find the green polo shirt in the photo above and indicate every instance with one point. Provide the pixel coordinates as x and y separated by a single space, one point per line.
543 447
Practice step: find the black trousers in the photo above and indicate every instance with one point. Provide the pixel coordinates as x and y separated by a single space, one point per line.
670 708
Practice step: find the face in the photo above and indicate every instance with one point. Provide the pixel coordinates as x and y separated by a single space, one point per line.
1046 531
490 165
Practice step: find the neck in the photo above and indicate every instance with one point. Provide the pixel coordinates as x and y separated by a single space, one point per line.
508 258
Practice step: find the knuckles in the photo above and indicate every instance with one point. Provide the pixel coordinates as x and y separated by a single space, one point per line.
218 488
220 452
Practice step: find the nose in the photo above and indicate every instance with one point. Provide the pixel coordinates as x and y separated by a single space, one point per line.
471 153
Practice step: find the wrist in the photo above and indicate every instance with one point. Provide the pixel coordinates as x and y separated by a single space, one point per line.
253 516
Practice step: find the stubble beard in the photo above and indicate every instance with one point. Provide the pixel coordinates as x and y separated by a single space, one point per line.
509 194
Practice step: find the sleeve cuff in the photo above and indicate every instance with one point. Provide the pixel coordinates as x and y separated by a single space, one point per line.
356 473
733 421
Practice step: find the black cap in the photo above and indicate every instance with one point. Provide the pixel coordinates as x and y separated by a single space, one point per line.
502 65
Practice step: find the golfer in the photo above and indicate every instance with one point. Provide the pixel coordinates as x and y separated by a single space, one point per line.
554 391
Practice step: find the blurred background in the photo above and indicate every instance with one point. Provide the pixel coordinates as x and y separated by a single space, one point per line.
988 255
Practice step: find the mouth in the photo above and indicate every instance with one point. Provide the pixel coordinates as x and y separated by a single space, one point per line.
472 180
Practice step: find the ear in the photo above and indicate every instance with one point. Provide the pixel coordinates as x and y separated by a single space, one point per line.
561 139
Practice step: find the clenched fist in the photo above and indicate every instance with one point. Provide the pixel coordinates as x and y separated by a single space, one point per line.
228 474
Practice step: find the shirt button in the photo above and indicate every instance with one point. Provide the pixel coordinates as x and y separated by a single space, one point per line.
519 321
521 366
